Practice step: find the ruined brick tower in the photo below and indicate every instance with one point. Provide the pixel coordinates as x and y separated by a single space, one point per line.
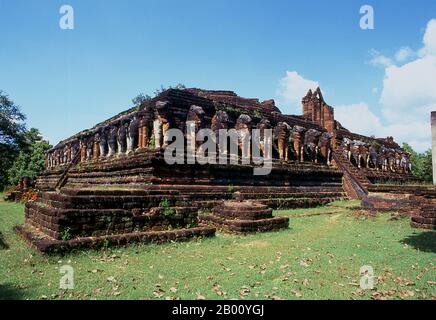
316 110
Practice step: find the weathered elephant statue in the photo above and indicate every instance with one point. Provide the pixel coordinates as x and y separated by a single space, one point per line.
122 137
263 125
346 145
195 119
311 139
96 146
324 147
282 134
89 147
405 162
144 127
161 124
243 127
103 142
391 160
220 121
112 139
298 133
359 153
382 162
132 134
374 150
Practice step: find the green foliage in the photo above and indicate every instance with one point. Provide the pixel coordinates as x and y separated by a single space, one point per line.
179 86
257 114
31 158
152 143
140 98
167 210
421 163
230 188
66 234
11 130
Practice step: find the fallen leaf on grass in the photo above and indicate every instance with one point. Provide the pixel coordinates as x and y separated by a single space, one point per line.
296 293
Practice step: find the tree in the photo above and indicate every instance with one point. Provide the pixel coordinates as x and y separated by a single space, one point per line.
179 86
12 128
140 98
421 163
31 159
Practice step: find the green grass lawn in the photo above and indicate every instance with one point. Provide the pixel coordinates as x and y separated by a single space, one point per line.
318 257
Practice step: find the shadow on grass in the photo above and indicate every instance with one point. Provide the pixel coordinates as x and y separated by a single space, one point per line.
3 244
424 241
8 292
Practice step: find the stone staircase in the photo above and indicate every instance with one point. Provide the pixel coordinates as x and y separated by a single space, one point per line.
355 182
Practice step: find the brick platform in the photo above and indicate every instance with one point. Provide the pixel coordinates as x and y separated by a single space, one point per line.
111 183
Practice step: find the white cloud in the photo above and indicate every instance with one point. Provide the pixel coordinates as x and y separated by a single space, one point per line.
292 88
359 119
429 39
409 91
379 60
404 54
409 94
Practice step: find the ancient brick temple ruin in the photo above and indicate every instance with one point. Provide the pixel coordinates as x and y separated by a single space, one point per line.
111 184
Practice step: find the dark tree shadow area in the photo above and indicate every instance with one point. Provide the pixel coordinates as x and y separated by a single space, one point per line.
3 244
9 292
424 241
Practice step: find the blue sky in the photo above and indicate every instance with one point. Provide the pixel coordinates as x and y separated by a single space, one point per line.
68 80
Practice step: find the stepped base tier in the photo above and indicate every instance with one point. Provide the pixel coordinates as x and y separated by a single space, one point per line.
113 183
245 217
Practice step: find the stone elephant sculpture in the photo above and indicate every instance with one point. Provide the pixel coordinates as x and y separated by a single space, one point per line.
298 133
374 150
265 141
325 148
282 134
346 146
359 153
112 134
122 136
220 121
161 124
195 121
243 127
311 139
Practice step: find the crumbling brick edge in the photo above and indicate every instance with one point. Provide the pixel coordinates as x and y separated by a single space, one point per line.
50 246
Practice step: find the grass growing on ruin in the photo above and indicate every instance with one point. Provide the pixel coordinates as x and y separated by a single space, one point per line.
318 257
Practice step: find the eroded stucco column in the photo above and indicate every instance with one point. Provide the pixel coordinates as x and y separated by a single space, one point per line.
433 140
